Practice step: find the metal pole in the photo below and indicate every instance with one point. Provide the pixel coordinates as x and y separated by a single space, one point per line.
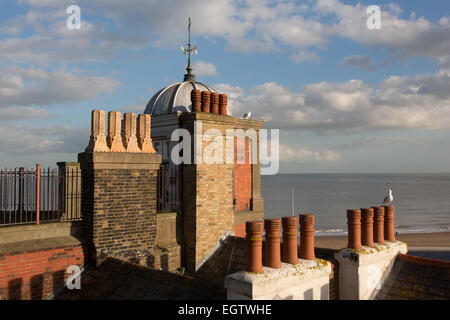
38 191
293 201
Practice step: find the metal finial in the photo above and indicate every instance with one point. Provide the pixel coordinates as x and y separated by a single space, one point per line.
189 76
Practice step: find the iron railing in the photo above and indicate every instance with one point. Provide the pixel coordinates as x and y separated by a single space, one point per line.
34 196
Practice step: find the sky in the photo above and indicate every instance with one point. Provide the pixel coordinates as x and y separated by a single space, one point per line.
345 98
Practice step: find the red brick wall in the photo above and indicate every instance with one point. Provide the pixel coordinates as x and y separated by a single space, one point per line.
243 179
37 274
239 230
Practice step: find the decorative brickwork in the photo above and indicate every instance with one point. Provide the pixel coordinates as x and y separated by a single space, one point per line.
35 274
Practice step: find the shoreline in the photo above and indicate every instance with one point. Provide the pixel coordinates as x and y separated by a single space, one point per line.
419 240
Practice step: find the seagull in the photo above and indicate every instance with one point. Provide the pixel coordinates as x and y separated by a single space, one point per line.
247 115
389 198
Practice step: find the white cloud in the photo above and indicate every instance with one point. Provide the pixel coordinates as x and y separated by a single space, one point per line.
403 38
21 113
358 61
381 142
15 139
246 26
203 68
33 86
303 56
420 102
302 154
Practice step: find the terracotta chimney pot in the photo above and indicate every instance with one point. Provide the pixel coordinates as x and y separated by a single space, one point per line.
389 229
307 236
206 100
367 227
354 229
223 102
273 235
254 231
290 232
196 98
378 225
215 102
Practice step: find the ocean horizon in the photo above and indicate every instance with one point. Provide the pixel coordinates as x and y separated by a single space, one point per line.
421 200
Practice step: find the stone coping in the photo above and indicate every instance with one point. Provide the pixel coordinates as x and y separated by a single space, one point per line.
220 118
271 280
119 160
168 214
248 215
18 233
368 255
29 246
68 164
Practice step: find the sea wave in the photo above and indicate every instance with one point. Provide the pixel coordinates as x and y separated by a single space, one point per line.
327 232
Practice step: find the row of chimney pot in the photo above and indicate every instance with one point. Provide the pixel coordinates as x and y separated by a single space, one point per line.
377 226
210 102
273 257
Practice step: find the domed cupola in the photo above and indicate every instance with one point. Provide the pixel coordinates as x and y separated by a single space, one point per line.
176 98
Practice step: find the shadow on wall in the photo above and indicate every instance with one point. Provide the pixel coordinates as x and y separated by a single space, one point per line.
39 287
229 258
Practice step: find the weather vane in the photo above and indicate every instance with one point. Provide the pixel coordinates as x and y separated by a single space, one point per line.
189 76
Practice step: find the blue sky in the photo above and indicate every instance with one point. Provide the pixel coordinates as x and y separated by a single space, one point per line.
345 98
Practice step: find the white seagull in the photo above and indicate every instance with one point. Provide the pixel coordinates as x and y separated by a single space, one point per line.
389 198
247 115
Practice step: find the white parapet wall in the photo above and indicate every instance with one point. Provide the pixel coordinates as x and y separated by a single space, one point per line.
307 280
363 272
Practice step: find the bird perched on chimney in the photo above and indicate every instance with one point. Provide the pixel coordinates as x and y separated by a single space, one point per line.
389 198
247 115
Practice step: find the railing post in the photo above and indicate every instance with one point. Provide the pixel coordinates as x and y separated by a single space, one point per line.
20 205
38 191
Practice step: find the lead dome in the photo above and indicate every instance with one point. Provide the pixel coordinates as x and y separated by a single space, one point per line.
176 98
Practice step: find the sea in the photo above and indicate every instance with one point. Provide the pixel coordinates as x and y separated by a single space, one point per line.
422 201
